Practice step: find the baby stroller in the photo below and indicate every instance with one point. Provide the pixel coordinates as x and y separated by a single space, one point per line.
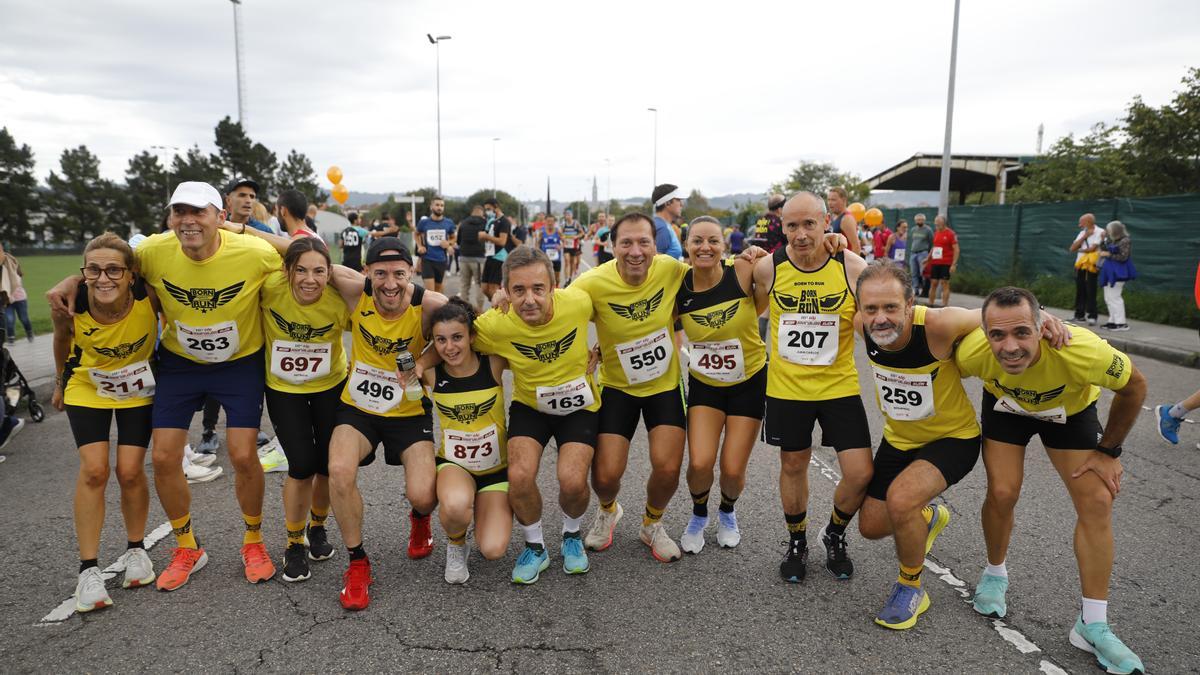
16 389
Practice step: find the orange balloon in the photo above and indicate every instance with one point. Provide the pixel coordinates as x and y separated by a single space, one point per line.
874 217
340 193
334 174
857 210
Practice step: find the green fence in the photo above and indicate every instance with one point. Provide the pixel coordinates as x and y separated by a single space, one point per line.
1030 240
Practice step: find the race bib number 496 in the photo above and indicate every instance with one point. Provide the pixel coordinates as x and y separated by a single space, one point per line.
374 389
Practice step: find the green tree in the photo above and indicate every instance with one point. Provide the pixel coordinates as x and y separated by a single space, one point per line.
818 177
239 156
80 204
1091 167
696 205
18 189
508 203
297 173
195 165
144 199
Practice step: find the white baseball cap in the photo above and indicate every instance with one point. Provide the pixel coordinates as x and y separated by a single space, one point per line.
197 194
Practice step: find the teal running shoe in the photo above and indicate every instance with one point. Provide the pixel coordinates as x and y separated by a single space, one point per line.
575 560
989 596
903 607
530 565
1097 638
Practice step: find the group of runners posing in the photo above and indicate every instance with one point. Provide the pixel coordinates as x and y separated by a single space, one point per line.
246 313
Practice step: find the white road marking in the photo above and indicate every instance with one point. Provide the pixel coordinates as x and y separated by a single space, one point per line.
1010 635
67 608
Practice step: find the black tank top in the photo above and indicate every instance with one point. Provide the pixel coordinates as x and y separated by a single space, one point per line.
728 288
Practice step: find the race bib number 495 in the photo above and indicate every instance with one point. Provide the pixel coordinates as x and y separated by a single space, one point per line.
722 361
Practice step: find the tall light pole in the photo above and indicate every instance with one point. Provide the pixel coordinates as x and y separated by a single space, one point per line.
437 44
237 48
944 187
608 179
494 167
654 173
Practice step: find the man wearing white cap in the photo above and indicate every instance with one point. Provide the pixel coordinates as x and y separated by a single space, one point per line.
668 207
207 281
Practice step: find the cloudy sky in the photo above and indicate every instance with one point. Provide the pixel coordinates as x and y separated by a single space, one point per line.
744 89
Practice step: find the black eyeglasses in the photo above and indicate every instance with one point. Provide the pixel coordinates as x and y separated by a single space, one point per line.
92 272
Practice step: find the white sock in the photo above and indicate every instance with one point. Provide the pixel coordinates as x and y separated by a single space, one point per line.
1178 411
571 524
533 533
996 570
1095 611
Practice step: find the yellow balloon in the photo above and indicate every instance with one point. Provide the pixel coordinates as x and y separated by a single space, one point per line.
340 193
857 210
874 217
334 174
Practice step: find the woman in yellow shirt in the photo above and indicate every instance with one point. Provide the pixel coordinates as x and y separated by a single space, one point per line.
472 456
103 357
303 321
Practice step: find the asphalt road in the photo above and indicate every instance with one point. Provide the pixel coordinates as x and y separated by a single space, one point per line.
719 610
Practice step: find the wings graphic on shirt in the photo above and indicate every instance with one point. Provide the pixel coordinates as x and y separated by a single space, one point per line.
717 318
809 303
640 310
301 332
383 346
548 352
203 299
465 413
1030 396
123 350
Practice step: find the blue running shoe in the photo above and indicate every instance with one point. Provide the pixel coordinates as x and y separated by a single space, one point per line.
941 518
575 560
989 596
903 607
1168 427
1097 638
530 565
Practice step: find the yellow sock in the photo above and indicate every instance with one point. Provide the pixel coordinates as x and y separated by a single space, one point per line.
317 516
253 534
609 507
651 516
295 533
459 540
182 529
927 513
910 576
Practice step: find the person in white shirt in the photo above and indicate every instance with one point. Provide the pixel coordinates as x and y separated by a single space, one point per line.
1086 243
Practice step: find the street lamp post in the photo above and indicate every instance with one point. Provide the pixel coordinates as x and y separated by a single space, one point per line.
494 167
437 44
654 172
944 186
608 186
237 48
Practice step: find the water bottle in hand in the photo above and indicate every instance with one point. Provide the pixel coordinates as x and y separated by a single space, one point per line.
405 363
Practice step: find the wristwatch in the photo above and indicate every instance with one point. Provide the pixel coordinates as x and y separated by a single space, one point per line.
1111 452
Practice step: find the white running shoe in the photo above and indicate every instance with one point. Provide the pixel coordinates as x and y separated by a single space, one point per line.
600 534
692 540
139 571
662 546
456 564
198 458
728 534
90 593
201 474
269 447
274 461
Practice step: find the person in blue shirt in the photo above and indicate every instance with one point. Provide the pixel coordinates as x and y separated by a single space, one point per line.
240 195
435 238
550 240
668 208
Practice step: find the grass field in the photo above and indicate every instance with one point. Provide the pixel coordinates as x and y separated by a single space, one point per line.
40 273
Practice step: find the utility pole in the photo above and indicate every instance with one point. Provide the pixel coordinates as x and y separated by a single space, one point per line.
654 172
944 187
237 47
494 167
437 44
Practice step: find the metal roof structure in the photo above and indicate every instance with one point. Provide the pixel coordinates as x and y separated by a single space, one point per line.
968 173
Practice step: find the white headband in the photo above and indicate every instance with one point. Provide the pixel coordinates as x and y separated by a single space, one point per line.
673 194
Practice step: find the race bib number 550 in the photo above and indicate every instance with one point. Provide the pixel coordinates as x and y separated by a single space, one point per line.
646 358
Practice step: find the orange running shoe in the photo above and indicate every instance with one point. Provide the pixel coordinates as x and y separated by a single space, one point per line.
355 584
258 564
420 536
184 563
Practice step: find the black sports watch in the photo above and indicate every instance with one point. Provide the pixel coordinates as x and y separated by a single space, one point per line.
1111 452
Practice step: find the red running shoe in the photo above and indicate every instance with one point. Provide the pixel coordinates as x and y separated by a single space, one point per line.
420 536
355 583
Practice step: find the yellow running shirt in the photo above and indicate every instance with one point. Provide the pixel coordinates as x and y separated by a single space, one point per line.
470 412
812 332
304 342
211 306
549 362
634 324
1061 383
374 385
722 325
109 364
922 397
